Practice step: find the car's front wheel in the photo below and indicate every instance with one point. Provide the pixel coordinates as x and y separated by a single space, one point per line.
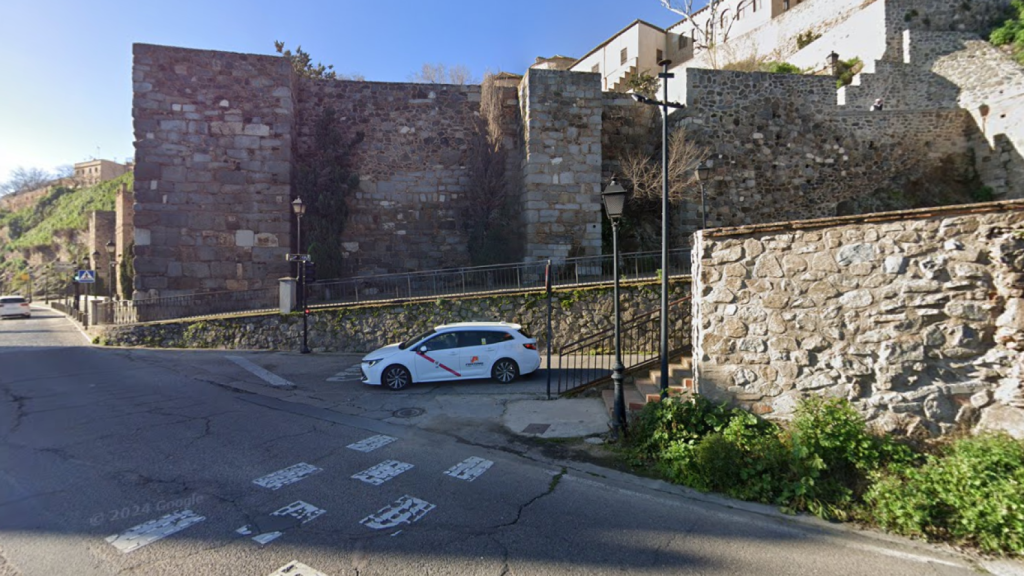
505 371
396 377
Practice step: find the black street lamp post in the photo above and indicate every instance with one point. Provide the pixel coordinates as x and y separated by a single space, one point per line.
614 198
299 208
703 172
664 105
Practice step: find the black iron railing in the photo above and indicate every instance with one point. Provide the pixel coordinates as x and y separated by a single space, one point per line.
496 278
431 284
589 360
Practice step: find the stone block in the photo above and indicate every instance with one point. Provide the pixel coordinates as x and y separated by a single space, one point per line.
244 238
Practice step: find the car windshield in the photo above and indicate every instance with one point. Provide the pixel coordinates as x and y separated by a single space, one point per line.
415 339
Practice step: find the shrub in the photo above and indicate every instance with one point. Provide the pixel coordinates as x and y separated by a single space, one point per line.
782 68
671 422
833 454
972 492
847 70
806 38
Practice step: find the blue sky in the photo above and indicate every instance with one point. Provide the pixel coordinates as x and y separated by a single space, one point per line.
66 93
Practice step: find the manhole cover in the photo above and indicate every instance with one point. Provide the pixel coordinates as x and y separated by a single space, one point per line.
536 428
408 412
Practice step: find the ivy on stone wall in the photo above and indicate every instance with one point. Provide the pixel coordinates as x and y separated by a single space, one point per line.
323 179
491 214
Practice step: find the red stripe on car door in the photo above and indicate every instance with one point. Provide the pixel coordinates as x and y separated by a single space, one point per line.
436 363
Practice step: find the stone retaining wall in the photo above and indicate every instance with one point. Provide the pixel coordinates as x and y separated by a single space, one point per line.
575 314
916 317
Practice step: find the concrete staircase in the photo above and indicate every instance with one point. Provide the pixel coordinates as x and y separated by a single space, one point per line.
643 387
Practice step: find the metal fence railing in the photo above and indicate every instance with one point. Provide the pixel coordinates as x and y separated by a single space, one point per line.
496 278
590 360
184 306
430 284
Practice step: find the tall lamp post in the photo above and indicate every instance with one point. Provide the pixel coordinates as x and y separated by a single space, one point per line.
299 209
614 198
664 105
703 172
111 248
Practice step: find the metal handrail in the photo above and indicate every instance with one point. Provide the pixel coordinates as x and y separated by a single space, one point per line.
447 282
589 360
493 278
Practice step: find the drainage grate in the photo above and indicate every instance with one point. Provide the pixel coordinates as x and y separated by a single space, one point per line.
536 428
408 412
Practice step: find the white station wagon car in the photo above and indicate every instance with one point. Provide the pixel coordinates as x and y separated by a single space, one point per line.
462 351
14 306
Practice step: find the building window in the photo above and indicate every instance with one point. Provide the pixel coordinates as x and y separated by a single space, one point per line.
659 56
596 68
624 55
682 41
785 4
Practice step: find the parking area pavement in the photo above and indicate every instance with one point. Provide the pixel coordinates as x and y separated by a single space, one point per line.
478 411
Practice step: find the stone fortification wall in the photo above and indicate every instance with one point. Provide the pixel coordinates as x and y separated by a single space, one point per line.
213 142
781 149
102 227
22 200
936 15
574 315
991 89
561 113
412 165
917 317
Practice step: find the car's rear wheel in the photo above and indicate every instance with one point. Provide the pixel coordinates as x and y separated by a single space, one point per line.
505 371
396 377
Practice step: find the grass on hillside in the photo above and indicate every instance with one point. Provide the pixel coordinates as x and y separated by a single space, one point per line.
61 209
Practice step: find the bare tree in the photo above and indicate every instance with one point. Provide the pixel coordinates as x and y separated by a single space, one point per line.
23 179
442 74
644 171
710 30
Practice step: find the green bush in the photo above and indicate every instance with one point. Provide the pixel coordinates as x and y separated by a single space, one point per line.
672 422
833 454
782 68
971 493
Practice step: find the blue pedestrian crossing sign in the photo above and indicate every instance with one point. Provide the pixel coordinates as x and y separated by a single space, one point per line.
85 276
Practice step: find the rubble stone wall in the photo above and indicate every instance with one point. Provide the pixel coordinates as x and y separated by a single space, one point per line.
917 317
782 150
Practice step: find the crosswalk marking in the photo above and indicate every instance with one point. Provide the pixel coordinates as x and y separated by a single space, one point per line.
372 443
469 469
149 532
289 475
264 374
382 472
405 510
348 375
296 568
278 521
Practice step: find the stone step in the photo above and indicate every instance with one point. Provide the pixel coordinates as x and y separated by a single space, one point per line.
634 401
677 373
651 390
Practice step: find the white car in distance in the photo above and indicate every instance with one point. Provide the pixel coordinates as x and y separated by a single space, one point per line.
14 306
462 351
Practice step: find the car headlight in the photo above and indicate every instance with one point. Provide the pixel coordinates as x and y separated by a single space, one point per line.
372 362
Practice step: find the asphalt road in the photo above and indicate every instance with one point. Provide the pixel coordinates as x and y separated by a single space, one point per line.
95 442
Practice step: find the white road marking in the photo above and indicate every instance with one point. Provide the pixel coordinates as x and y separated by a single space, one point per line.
382 472
149 532
296 568
268 376
469 469
372 443
289 475
301 511
352 373
405 510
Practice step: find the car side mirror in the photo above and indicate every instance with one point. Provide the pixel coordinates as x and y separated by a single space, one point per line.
423 348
